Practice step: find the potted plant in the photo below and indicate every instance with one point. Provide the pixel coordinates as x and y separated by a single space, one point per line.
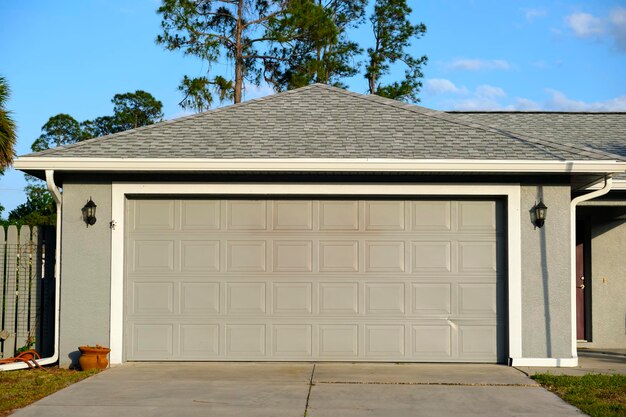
93 357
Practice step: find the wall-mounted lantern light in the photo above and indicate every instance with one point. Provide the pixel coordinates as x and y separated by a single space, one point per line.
540 214
89 213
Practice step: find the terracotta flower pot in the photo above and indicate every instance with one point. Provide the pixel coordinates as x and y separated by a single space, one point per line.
93 357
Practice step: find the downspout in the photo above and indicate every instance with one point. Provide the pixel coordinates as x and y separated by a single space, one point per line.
608 182
56 194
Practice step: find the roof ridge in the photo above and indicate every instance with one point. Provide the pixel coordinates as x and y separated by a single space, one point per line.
538 143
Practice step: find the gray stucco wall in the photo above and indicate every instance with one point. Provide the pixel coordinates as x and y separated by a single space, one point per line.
608 278
85 269
546 279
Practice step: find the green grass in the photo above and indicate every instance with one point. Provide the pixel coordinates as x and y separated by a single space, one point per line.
596 395
20 388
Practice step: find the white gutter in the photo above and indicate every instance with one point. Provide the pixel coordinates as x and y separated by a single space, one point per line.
618 185
56 194
608 182
315 165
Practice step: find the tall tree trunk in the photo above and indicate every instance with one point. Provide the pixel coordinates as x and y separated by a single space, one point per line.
372 80
239 53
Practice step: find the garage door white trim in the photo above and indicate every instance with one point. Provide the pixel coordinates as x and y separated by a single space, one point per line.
511 192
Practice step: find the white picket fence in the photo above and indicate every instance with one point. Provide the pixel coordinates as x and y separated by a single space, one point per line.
27 288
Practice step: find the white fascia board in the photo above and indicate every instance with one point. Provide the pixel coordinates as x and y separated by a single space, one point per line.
316 165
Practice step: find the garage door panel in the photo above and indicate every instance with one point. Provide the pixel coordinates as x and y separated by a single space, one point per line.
431 215
384 256
153 215
339 298
384 299
200 298
199 256
199 341
477 341
292 340
293 215
338 256
245 340
432 341
350 280
477 299
339 215
153 256
384 340
291 298
152 341
431 298
292 256
245 298
477 256
337 340
152 297
246 255
247 215
477 216
384 215
200 215
431 256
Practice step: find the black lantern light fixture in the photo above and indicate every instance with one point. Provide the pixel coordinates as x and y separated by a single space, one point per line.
540 214
89 213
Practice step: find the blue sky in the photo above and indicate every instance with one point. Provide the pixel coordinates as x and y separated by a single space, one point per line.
73 56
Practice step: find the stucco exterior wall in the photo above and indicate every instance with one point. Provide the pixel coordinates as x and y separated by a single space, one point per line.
85 269
546 279
608 279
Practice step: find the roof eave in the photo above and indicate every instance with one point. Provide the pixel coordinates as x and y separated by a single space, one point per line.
315 165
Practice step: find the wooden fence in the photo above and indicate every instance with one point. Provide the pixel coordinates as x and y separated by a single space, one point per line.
27 289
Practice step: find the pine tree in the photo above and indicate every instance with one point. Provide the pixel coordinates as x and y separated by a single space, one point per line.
393 33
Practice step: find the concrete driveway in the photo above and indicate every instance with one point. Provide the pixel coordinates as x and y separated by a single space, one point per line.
303 389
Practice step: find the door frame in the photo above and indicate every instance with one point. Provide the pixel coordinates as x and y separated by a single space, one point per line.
512 193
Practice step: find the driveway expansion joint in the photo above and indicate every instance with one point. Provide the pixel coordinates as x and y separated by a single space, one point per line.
308 396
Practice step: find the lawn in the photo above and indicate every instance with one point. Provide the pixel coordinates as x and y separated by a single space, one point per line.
20 388
596 395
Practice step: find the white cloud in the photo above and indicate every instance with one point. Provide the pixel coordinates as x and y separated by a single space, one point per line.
476 103
532 14
251 91
483 97
618 27
523 104
559 101
441 86
585 25
444 94
489 91
479 64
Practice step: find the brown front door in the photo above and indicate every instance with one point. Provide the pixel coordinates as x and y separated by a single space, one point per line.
580 282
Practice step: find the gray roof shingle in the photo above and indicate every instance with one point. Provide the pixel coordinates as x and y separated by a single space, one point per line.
601 131
319 121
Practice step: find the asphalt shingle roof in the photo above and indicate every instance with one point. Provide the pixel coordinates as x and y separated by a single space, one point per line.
319 121
602 131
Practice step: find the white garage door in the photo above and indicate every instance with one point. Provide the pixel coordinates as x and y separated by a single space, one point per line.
350 280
